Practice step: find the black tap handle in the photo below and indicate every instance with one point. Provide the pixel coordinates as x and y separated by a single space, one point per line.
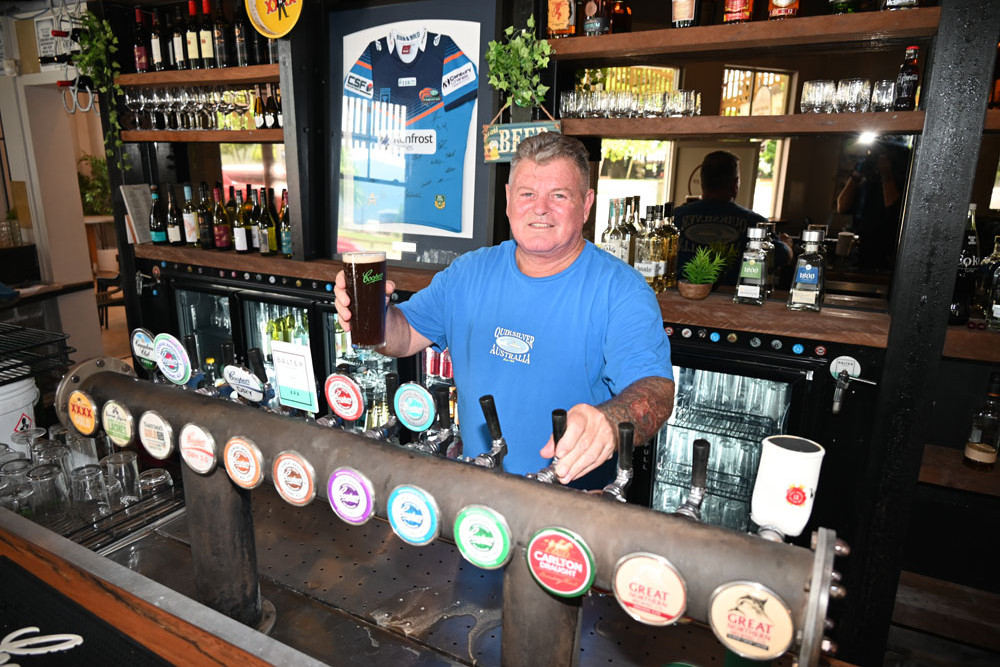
442 399
256 360
626 432
191 345
391 387
699 464
558 425
489 407
228 353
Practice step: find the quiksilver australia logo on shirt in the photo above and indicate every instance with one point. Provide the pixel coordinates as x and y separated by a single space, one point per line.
512 346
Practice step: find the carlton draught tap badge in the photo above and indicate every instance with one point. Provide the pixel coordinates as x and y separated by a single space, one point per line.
118 423
650 589
294 478
751 620
414 515
156 435
244 462
561 562
82 412
197 448
483 537
351 495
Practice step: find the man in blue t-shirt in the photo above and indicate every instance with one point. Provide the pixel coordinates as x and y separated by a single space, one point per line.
717 220
542 322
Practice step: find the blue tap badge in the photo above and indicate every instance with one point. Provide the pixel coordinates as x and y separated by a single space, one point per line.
413 515
414 407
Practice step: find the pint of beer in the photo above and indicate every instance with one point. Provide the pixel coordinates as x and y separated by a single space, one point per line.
365 275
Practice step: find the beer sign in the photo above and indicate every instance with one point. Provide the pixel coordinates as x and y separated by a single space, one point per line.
118 423
294 478
649 589
143 349
82 412
500 141
751 620
156 435
483 537
561 562
413 515
197 448
244 462
351 495
172 359
345 397
414 407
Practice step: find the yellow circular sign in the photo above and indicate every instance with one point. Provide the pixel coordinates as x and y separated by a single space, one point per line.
274 18
82 412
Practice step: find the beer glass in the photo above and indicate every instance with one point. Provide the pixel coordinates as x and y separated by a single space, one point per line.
50 498
786 483
22 440
364 272
90 494
16 498
883 95
155 482
123 468
15 471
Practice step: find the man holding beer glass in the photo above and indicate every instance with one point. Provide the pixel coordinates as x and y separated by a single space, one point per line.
545 321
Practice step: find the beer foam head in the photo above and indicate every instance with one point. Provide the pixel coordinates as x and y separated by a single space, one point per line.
364 257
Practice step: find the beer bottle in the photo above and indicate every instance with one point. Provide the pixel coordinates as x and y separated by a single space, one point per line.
241 227
157 219
671 242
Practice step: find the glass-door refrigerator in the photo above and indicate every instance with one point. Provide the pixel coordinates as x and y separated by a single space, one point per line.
205 311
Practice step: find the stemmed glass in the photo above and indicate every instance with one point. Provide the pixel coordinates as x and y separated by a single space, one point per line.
134 103
240 102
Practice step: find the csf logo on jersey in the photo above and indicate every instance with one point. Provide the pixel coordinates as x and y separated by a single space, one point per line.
359 85
429 95
462 76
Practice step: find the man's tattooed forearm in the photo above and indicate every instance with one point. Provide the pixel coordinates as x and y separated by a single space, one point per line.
647 403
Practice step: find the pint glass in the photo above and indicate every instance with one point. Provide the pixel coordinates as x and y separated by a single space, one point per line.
365 275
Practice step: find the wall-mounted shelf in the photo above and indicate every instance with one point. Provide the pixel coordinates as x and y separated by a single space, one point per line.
207 136
964 343
943 466
235 76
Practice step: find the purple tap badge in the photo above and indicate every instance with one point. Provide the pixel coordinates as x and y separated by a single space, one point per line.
351 495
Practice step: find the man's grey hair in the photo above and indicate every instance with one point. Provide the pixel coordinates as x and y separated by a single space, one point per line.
547 146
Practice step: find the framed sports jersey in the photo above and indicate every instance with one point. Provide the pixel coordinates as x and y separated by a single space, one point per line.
408 105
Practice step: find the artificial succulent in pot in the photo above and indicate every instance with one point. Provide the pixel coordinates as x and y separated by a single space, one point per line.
700 272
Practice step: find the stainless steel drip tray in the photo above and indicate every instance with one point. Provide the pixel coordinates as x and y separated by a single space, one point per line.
360 595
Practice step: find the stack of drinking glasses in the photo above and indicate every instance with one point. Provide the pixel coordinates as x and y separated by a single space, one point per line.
621 104
189 108
847 96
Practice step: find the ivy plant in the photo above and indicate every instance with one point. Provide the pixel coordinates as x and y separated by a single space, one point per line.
514 65
96 60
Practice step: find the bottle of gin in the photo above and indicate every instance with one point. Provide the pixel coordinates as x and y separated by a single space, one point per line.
806 292
751 287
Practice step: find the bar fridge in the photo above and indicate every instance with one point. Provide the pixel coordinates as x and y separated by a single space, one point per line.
205 310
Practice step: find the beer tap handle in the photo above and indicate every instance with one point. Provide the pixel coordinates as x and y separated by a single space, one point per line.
191 345
255 358
558 425
442 399
691 508
391 387
228 353
547 475
493 458
616 489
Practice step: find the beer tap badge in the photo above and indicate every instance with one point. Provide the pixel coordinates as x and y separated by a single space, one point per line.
172 359
351 495
156 435
294 478
751 620
414 515
561 562
244 383
650 589
483 537
82 412
244 462
197 448
345 397
118 423
143 348
414 407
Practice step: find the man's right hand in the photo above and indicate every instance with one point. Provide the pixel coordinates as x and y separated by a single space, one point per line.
343 302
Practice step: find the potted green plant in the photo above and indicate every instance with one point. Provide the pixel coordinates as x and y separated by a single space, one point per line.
95 187
515 66
700 273
96 60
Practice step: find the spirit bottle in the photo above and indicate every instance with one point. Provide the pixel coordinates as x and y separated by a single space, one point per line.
561 18
671 241
751 287
984 436
985 282
968 263
648 251
907 81
806 292
597 17
608 244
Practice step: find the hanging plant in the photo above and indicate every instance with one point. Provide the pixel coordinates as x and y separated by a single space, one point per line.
515 64
96 60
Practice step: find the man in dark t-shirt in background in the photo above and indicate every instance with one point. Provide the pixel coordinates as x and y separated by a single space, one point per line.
717 219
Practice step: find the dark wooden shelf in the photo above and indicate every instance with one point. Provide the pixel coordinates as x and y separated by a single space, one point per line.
992 123
899 122
974 344
942 466
207 136
222 75
853 32
948 610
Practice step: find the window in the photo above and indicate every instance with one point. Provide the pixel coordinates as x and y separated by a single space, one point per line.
259 165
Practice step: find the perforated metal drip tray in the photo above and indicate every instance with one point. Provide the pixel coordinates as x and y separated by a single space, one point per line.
360 595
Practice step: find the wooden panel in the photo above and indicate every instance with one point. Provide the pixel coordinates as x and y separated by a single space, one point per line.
222 75
949 610
213 136
841 32
972 344
942 466
900 122
164 634
992 121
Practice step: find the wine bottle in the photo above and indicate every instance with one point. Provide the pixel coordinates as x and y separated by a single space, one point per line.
968 264
982 298
241 43
561 18
267 225
157 44
206 226
232 208
907 81
252 206
157 218
684 13
193 48
981 445
286 227
259 119
190 218
140 43
277 106
179 41
271 112
175 223
222 223
206 38
995 88
272 51
258 44
241 227
222 38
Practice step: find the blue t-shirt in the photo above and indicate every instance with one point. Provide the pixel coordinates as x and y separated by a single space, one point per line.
538 344
408 102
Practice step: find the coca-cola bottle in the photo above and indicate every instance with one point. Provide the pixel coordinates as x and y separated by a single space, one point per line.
907 81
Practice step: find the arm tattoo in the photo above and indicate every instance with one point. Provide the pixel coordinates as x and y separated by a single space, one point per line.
647 403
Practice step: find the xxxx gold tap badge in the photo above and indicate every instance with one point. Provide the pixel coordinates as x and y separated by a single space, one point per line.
294 478
274 18
244 462
561 562
650 589
118 423
751 620
156 435
82 412
197 448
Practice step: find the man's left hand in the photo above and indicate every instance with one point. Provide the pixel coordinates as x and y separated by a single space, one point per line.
588 442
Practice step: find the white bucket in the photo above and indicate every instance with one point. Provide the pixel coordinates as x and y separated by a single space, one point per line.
17 407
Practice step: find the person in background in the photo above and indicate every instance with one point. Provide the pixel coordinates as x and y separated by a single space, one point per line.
873 195
716 219
544 321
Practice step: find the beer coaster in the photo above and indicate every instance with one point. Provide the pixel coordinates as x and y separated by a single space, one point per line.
414 407
351 495
118 423
244 462
345 397
172 359
156 435
751 620
561 562
244 382
143 348
197 448
294 478
483 537
82 412
413 515
649 589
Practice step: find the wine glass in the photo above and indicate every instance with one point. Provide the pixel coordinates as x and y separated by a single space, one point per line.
240 103
134 103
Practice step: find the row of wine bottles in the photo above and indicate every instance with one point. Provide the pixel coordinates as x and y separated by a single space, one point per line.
203 41
250 225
